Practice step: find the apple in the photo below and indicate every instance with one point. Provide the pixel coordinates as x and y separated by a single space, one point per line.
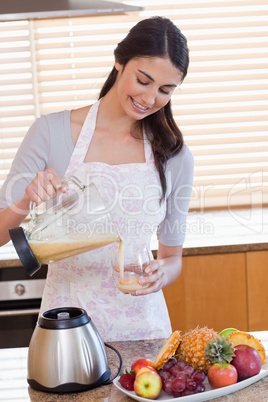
140 363
148 385
247 361
227 331
147 368
221 375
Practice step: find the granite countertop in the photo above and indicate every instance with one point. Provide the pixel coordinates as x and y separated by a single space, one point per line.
14 386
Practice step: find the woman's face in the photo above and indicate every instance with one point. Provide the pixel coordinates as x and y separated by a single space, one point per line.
145 85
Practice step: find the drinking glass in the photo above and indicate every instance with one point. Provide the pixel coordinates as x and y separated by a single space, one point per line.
133 265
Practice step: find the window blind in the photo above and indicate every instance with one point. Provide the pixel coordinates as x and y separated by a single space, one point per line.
221 108
17 101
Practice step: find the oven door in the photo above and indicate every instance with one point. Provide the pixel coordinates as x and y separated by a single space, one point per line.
20 299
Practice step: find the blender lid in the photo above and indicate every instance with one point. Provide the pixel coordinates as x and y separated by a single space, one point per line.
24 251
55 319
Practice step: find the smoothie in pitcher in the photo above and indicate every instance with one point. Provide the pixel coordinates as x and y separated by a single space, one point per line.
56 251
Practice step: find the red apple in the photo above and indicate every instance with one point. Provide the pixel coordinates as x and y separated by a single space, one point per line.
148 385
221 375
147 368
138 364
247 361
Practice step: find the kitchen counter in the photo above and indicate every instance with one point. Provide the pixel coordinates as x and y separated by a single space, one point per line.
14 386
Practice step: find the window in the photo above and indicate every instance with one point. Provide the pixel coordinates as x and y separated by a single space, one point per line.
221 108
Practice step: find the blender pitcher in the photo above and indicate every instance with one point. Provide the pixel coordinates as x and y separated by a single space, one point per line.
76 223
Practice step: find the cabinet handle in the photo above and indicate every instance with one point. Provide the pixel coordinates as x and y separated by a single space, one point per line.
10 313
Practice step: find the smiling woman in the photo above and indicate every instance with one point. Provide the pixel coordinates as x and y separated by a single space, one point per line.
125 143
221 108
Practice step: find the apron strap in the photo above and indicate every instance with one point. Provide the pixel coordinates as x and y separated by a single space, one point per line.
84 139
149 156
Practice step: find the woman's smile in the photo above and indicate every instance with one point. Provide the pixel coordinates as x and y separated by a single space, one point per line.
137 106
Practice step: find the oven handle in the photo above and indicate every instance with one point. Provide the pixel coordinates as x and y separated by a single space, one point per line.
10 313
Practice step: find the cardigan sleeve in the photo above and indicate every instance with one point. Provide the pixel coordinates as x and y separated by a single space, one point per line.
47 144
179 176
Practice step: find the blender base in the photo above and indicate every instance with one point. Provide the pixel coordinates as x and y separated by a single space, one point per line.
70 386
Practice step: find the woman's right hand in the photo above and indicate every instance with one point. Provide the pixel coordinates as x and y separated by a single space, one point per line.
44 186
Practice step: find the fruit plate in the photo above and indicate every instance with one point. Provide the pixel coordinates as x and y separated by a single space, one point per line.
204 396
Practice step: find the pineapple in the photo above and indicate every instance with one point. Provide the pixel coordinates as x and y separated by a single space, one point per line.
219 350
243 338
168 350
192 348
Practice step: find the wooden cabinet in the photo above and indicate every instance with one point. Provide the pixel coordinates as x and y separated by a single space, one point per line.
257 282
220 291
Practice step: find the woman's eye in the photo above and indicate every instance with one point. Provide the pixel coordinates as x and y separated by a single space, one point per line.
164 92
160 89
141 82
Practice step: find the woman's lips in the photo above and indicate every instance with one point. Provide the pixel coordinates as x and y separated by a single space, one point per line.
137 106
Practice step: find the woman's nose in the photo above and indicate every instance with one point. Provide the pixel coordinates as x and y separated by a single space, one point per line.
149 98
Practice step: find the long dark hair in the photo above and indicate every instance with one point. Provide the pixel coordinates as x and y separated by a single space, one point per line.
155 37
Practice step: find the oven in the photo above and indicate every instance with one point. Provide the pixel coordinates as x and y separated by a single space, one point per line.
20 299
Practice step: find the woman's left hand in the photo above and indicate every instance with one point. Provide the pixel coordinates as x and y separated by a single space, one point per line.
154 277
162 272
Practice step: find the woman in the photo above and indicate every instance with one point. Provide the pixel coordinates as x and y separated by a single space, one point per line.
128 144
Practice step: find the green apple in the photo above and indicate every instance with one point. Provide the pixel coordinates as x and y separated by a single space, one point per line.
148 385
227 331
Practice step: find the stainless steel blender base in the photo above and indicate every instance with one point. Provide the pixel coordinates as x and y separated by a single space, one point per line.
70 387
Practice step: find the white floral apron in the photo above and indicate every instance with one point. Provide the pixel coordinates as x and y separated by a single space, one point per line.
131 193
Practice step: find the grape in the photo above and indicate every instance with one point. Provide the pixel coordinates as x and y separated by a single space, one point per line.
182 375
179 379
165 375
187 392
181 364
198 376
200 387
175 370
167 366
189 370
191 384
178 385
167 386
176 394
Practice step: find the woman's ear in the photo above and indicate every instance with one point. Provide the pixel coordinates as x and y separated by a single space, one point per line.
118 66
